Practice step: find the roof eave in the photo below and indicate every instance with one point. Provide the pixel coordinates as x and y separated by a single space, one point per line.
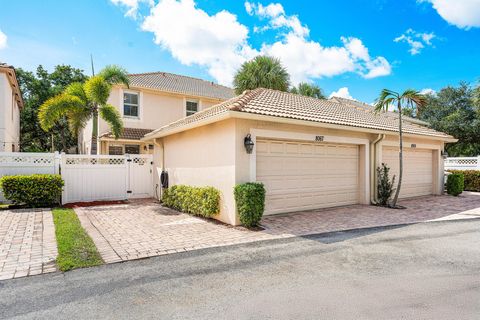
173 92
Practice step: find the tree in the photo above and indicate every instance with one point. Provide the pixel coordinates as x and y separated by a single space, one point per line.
261 72
80 102
309 90
37 87
410 98
456 111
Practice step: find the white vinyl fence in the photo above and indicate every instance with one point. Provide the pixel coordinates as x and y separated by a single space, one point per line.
462 163
87 177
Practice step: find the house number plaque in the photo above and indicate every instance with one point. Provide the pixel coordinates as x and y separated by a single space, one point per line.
319 138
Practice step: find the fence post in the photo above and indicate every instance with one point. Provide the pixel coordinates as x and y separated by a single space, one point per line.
62 161
56 162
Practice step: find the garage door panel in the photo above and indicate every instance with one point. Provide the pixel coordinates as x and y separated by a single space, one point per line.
417 170
302 176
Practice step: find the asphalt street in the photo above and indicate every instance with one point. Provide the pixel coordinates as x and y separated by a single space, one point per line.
420 271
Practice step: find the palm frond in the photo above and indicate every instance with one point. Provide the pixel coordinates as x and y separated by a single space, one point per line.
97 90
111 115
77 89
114 74
386 98
77 119
55 108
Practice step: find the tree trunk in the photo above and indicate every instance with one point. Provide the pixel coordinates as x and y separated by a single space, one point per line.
95 131
400 155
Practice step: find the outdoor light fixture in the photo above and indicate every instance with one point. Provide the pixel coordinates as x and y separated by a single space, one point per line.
248 143
444 154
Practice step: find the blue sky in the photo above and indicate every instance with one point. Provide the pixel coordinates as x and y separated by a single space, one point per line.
354 47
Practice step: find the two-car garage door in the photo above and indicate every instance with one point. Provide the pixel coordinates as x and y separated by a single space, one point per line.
302 176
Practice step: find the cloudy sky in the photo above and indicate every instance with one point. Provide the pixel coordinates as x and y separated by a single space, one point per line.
349 48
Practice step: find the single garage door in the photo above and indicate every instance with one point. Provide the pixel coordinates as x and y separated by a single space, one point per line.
417 170
303 176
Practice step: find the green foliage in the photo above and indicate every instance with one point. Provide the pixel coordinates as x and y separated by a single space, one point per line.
75 248
385 187
308 90
261 72
37 87
250 200
36 190
201 201
455 183
81 102
456 111
471 179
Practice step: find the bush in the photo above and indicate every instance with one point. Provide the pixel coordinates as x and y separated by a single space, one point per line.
455 184
36 190
471 179
201 201
250 199
385 187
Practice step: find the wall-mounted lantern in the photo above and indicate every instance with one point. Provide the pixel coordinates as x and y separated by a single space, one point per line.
248 143
444 154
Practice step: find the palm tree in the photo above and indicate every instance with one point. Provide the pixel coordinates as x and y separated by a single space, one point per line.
80 102
309 90
411 98
261 72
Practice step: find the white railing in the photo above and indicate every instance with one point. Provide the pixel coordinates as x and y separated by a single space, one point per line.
462 163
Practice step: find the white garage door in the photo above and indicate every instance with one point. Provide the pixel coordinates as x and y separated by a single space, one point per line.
417 170
302 176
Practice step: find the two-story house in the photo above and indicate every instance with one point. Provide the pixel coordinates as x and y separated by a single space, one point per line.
10 104
151 101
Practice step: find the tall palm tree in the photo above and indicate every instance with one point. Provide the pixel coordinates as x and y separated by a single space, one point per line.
261 72
80 102
309 90
410 98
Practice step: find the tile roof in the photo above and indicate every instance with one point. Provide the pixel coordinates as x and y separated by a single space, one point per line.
128 134
288 105
180 84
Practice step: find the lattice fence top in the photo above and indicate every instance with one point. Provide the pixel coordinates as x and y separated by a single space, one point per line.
27 159
464 163
92 160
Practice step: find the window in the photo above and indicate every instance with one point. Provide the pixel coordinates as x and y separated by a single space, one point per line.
115 150
192 107
132 149
130 104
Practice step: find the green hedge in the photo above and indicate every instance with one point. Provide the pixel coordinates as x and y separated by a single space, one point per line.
201 201
471 179
36 190
250 199
455 183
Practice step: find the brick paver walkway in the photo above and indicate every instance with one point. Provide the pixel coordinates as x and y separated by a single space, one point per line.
27 243
144 228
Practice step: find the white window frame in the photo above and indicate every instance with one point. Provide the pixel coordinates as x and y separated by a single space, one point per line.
140 104
197 101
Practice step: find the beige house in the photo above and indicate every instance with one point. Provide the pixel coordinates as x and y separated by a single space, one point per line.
10 104
309 153
152 100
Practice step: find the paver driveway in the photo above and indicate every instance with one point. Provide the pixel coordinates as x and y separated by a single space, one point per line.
144 228
27 243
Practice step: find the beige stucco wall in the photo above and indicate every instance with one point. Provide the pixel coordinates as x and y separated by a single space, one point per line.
9 117
204 156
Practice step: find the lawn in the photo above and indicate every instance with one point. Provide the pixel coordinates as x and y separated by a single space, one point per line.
75 248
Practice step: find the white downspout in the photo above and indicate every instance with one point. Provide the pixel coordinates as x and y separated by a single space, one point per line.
373 168
162 164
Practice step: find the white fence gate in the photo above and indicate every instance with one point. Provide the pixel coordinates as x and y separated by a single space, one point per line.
462 163
102 177
87 177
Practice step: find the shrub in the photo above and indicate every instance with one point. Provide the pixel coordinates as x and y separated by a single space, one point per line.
471 179
250 199
201 201
385 187
455 184
36 190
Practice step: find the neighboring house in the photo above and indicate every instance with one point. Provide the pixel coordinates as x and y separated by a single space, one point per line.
10 104
309 153
151 101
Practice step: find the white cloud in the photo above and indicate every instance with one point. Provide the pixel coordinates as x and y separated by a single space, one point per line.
416 40
428 91
132 6
219 42
464 14
3 40
341 93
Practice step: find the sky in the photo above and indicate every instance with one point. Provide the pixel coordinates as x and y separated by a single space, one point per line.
351 48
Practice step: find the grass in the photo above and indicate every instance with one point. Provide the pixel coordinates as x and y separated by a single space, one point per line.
75 248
